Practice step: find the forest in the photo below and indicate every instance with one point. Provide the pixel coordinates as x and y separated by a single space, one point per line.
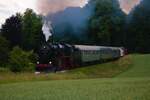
107 25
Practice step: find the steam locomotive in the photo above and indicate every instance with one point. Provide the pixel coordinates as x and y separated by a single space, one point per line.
54 57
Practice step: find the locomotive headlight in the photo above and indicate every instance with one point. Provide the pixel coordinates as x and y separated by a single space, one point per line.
50 62
38 62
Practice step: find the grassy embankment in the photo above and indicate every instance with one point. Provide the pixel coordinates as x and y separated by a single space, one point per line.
106 70
130 83
140 67
91 89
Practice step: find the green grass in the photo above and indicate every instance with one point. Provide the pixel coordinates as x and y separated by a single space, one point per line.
92 89
140 67
125 79
106 70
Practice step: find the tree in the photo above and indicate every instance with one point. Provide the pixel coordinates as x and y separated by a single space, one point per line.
138 37
12 30
106 24
32 29
4 51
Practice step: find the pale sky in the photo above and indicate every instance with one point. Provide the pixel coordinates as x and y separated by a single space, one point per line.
127 5
9 7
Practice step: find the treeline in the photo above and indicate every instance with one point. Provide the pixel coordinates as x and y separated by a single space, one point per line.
138 28
21 34
106 26
109 25
20 37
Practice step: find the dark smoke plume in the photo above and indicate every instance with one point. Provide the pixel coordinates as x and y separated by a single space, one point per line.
71 16
67 19
52 6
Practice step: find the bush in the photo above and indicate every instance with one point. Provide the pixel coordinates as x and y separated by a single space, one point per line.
21 60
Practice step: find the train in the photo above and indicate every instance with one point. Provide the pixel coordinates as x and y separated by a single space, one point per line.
61 56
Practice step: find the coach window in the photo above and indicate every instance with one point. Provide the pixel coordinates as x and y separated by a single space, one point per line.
84 52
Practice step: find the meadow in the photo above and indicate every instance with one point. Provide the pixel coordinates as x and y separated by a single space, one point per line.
130 82
105 70
91 89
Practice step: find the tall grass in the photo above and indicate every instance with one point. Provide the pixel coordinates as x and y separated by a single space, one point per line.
91 89
131 82
140 67
106 70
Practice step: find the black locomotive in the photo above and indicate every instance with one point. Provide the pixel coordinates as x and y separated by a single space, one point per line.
60 56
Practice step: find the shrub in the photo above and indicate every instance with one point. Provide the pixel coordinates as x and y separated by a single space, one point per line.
20 60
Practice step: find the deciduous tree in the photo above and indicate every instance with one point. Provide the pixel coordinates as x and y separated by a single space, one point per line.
106 25
32 30
138 37
12 29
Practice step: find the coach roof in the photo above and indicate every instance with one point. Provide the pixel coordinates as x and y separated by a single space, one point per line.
85 47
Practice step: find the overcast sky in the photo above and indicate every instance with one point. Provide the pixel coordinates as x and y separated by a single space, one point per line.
9 7
127 5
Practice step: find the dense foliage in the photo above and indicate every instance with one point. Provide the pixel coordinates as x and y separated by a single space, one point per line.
106 25
110 26
138 28
32 30
12 30
20 60
4 50
24 31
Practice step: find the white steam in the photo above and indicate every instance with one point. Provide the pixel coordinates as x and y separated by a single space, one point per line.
47 29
